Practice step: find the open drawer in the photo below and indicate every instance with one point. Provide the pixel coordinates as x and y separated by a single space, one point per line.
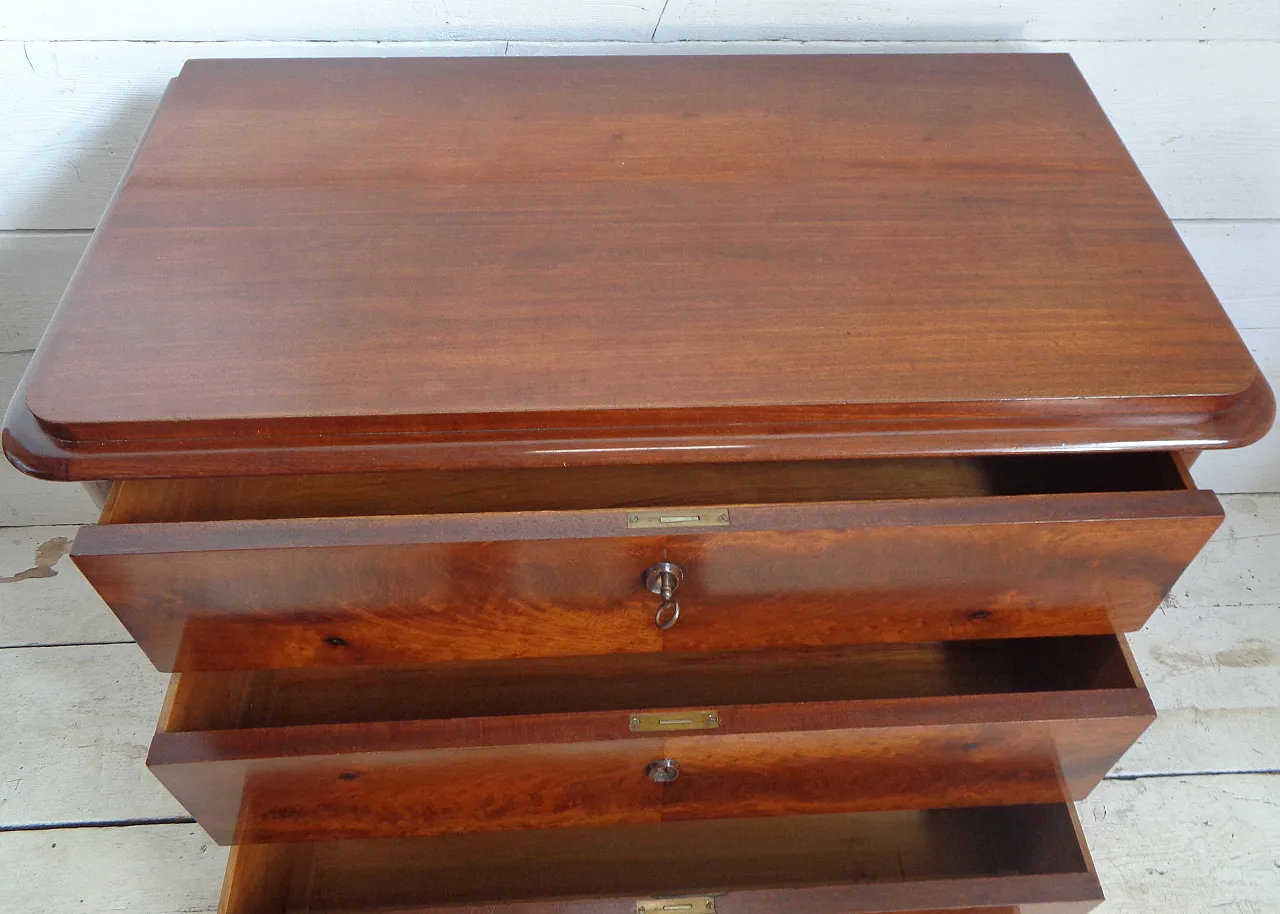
321 754
992 860
271 572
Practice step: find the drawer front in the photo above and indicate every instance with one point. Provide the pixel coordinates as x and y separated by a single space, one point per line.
362 793
385 778
417 589
985 860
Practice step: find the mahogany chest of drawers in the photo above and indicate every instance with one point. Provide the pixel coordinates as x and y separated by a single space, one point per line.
639 485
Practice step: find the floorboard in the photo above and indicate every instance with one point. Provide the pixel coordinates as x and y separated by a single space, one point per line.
1189 845
43 598
145 869
77 724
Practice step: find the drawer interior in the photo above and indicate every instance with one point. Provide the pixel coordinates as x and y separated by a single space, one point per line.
601 487
937 855
242 699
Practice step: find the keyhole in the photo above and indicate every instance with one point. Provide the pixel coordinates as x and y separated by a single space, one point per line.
663 771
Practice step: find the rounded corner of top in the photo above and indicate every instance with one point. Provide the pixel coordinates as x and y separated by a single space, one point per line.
1250 416
29 446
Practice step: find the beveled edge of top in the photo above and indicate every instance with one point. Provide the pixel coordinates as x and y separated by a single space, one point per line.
1033 427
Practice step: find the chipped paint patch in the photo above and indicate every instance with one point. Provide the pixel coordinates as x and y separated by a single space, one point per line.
47 555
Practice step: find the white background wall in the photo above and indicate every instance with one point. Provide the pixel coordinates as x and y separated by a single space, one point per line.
1193 86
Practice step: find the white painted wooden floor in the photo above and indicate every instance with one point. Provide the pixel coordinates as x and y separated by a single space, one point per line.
1189 821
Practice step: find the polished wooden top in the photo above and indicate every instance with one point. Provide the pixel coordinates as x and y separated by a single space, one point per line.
323 265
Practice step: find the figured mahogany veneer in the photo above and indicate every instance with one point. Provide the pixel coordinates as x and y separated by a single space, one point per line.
1005 860
1080 545
305 755
403 372
339 265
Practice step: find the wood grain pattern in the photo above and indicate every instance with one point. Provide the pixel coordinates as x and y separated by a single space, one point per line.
313 755
1199 656
868 673
623 486
36 453
1233 255
1212 99
970 860
981 175
259 878
585 488
246 594
1213 837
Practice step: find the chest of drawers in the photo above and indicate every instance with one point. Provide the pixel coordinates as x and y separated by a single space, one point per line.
639 485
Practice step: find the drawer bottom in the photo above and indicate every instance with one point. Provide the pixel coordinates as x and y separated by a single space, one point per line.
981 860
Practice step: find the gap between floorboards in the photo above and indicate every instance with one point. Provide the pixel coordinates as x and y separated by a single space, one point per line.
103 823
